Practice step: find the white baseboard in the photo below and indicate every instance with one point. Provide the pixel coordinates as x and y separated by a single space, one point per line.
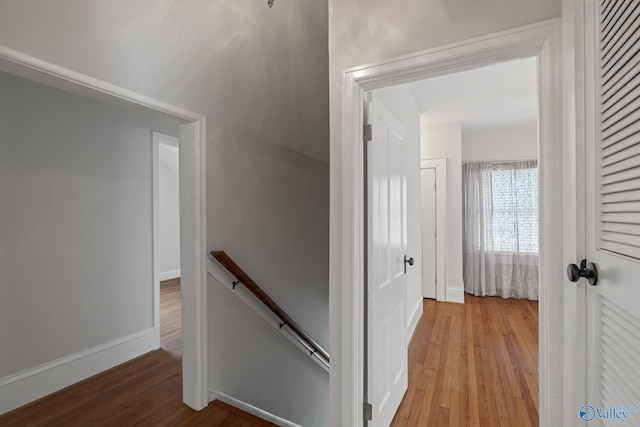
168 275
413 323
250 409
26 386
455 294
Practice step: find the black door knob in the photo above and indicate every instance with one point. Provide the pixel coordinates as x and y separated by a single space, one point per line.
407 261
586 270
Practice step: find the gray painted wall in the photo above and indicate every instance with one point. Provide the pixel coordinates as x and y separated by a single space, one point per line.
257 70
366 31
274 205
278 199
260 77
75 221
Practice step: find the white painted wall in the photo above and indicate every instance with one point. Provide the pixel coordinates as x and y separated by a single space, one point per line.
400 102
512 143
259 75
445 141
75 221
169 211
367 31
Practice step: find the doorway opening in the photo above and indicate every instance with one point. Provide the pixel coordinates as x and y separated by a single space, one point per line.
540 41
433 221
166 242
479 129
192 136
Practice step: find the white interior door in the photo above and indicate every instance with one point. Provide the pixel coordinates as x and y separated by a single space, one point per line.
612 75
429 232
386 290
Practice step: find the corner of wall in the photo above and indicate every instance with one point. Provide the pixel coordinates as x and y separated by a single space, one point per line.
455 294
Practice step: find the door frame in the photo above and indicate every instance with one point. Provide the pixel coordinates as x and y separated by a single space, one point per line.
193 203
440 166
541 40
574 206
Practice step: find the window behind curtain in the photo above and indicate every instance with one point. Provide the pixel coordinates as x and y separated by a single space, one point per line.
501 229
512 193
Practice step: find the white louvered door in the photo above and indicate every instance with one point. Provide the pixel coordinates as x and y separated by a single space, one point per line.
612 60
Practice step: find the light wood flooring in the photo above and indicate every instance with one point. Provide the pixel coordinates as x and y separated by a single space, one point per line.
473 365
146 391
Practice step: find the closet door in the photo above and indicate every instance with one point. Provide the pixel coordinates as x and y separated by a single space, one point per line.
612 71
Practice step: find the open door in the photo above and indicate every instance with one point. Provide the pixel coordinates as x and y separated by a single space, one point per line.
386 267
612 268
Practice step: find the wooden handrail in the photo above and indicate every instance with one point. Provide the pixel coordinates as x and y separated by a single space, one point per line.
253 287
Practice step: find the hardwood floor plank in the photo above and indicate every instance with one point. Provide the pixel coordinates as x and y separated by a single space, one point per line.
473 416
146 391
473 365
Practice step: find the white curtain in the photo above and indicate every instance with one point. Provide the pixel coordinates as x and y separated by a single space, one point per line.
501 229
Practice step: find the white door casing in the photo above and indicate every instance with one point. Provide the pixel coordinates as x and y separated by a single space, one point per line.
387 280
429 232
612 136
435 259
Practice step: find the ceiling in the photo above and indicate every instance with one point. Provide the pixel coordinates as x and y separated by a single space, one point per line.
491 97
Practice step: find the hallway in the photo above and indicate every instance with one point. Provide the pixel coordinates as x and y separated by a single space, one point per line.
473 365
146 391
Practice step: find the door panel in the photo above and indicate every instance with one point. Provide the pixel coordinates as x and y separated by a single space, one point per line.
429 253
387 350
612 60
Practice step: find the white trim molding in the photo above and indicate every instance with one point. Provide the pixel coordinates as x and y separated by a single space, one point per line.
540 40
25 387
440 165
455 294
155 221
193 262
250 409
574 39
193 199
414 319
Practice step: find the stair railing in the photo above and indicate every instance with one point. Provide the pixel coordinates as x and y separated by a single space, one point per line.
286 321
